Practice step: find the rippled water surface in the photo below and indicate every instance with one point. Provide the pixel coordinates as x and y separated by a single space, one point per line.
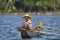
9 24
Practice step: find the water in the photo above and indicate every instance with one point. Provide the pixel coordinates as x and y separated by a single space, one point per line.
9 24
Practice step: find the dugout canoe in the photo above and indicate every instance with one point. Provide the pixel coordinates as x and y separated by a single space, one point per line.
29 33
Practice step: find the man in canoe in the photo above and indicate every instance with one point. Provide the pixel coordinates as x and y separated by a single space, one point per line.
28 23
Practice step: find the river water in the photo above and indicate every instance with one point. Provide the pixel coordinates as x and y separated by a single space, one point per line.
10 23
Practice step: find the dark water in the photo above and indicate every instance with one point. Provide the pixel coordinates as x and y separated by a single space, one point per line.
9 24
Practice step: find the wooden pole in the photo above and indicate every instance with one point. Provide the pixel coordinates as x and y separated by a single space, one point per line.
50 33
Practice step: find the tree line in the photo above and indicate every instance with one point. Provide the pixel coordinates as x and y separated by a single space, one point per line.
18 6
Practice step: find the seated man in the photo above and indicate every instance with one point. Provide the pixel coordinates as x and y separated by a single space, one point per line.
28 24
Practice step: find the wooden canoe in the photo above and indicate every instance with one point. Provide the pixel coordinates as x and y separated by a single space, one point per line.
29 33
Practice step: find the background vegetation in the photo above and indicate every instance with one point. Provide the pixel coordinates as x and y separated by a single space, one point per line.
23 6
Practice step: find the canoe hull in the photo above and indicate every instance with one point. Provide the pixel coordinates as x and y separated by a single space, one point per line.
26 34
29 33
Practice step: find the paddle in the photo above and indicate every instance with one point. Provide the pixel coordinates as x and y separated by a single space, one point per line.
53 28
50 33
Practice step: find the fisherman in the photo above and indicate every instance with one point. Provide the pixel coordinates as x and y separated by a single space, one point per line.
28 22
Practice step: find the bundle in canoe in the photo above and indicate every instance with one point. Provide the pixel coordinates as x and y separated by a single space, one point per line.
29 33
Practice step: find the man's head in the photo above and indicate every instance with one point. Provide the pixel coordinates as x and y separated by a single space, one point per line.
26 16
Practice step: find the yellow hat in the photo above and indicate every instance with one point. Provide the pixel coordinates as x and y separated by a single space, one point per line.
26 15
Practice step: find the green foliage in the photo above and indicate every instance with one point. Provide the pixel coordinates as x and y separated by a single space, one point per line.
30 4
58 3
39 3
2 5
44 3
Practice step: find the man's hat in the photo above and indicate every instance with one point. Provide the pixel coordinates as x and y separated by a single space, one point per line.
26 15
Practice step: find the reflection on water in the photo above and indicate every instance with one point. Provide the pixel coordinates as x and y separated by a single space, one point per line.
9 24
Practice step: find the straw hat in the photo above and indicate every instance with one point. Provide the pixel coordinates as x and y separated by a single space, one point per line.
26 15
